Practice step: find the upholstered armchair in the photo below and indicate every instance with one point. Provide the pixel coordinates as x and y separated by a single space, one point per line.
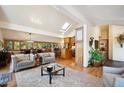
113 77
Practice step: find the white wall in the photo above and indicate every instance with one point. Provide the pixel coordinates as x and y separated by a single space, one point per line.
116 51
16 35
70 34
110 43
88 32
94 31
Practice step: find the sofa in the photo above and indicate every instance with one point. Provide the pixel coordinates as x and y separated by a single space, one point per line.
48 57
21 61
113 77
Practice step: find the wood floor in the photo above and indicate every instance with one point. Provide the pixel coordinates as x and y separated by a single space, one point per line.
95 71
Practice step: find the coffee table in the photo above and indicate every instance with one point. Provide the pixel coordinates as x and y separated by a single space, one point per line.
52 69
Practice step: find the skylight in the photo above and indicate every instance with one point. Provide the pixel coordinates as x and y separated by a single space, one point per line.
65 27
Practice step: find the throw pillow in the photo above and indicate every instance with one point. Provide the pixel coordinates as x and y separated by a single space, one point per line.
27 57
47 55
18 59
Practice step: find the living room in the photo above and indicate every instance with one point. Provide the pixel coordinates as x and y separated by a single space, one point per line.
57 42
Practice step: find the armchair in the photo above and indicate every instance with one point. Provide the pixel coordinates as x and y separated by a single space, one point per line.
113 77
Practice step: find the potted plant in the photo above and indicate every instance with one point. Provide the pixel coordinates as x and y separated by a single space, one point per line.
96 57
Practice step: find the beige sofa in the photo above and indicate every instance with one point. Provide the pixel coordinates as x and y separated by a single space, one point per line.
47 57
21 61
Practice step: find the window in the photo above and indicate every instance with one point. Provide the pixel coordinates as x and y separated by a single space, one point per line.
65 27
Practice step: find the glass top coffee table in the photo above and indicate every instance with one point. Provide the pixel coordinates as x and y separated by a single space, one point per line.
52 69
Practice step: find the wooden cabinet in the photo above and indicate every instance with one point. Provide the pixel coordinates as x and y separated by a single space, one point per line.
66 53
72 41
67 40
103 46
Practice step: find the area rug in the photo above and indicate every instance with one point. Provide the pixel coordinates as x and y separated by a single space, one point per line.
73 78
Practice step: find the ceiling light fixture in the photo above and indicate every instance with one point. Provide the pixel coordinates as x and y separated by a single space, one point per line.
30 40
36 21
62 33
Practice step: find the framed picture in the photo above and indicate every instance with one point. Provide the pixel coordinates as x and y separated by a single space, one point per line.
0 44
23 45
9 44
96 44
35 45
16 45
39 45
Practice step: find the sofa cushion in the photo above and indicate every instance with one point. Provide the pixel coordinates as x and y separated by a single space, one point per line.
24 61
22 57
47 55
109 79
119 82
24 64
18 59
113 70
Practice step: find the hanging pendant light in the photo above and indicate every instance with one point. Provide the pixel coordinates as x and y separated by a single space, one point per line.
30 41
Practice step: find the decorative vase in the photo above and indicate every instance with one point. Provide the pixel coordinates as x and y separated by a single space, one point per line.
49 68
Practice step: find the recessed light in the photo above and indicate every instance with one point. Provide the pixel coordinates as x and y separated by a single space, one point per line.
62 33
36 20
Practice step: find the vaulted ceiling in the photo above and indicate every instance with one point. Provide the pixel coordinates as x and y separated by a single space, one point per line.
36 19
102 14
48 20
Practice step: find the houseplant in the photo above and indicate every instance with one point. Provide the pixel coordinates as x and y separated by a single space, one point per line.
96 57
